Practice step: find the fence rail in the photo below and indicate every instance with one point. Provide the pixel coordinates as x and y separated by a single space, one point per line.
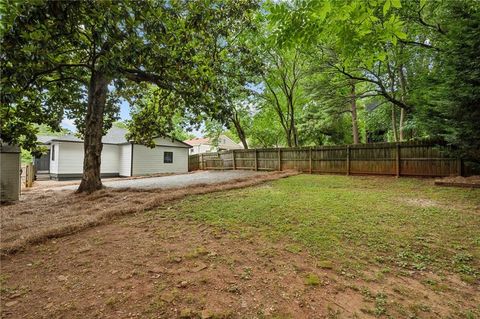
400 159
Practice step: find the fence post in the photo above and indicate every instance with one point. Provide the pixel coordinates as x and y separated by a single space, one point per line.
200 162
234 164
29 175
348 160
256 160
310 168
279 159
397 160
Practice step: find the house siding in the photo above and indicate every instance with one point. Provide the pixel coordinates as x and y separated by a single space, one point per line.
125 154
69 158
150 160
202 148
54 163
117 159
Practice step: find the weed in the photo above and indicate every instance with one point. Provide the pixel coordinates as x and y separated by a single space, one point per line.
325 264
293 248
197 252
247 273
312 280
380 304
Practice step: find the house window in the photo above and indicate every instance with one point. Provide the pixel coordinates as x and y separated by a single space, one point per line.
53 152
168 157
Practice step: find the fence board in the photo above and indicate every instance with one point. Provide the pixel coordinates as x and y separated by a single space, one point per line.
400 159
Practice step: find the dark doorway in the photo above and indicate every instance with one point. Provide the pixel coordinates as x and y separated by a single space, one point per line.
42 164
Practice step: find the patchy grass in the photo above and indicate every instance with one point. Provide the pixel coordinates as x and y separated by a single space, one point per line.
356 222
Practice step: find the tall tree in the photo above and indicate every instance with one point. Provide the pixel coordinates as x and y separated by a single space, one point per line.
70 55
283 76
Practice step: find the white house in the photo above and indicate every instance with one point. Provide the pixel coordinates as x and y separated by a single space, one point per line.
205 145
120 157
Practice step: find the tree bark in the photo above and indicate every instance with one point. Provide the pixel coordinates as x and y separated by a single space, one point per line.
356 137
292 136
391 76
97 97
403 87
240 131
394 124
402 120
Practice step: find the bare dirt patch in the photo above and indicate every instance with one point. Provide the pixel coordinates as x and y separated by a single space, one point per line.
153 265
49 214
421 202
459 181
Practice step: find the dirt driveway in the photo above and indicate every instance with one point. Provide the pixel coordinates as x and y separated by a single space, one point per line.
173 181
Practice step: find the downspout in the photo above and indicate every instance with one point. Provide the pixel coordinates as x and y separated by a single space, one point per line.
131 160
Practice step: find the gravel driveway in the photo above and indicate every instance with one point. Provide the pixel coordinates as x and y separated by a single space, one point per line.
174 181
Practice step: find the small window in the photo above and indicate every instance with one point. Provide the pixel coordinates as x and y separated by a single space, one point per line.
53 152
168 157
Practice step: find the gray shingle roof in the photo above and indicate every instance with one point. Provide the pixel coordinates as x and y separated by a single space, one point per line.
115 135
45 138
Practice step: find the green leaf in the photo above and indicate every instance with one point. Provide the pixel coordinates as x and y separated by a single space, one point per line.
382 55
323 12
402 35
396 4
386 7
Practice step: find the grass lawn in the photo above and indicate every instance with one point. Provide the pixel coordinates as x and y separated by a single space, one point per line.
352 224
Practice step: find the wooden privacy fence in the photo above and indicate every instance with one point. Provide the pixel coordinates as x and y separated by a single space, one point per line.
29 175
400 159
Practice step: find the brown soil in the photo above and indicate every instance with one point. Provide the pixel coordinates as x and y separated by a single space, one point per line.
151 265
459 181
44 214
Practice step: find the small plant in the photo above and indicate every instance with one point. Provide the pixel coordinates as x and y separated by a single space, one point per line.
197 252
325 264
111 301
247 273
292 248
312 280
366 293
380 304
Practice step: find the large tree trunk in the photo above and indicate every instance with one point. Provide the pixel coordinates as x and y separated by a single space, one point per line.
240 131
97 97
356 136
